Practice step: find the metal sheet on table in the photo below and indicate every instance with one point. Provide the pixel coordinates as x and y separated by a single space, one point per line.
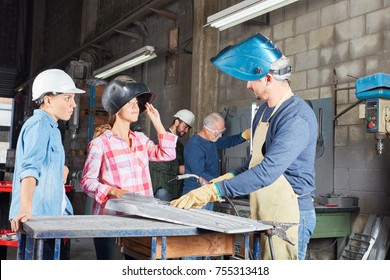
154 208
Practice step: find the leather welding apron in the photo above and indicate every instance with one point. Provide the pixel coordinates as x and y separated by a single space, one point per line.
276 202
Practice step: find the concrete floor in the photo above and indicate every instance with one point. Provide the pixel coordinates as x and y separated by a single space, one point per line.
80 249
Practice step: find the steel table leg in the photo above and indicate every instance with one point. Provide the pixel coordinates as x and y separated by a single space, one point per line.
29 248
271 247
163 247
38 252
246 241
21 246
57 249
154 248
256 247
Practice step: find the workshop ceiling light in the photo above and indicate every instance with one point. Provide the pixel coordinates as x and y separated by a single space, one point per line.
244 11
135 58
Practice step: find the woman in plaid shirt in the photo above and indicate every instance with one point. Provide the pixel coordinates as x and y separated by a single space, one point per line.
118 158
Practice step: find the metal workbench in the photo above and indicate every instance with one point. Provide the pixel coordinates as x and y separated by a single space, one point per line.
40 228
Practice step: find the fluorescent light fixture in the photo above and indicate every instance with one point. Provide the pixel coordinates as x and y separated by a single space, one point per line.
244 11
135 58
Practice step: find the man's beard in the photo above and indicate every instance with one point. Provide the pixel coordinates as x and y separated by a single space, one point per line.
177 132
180 133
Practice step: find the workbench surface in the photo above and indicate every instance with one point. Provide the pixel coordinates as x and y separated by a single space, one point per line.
86 226
42 228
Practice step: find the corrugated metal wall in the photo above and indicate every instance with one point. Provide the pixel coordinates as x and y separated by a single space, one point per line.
8 33
62 28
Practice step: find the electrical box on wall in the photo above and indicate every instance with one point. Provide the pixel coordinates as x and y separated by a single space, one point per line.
79 70
377 115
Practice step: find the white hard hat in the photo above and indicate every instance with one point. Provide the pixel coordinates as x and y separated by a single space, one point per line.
53 81
186 116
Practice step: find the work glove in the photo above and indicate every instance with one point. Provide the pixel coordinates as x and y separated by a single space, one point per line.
226 176
198 197
247 134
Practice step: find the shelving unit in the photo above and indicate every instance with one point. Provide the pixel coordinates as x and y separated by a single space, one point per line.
92 114
6 242
5 195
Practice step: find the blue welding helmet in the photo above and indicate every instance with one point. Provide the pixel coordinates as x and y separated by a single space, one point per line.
249 59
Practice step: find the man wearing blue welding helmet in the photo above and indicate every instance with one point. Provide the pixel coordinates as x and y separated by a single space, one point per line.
280 174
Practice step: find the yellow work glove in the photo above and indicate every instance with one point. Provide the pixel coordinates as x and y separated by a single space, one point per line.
226 176
246 134
198 197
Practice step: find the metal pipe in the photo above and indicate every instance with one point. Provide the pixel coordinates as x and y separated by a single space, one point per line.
334 110
185 176
336 116
271 247
347 109
345 88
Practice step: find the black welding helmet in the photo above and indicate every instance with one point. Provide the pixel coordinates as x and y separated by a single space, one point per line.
117 93
248 60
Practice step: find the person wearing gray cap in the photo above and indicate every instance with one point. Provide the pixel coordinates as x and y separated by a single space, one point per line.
118 158
40 173
163 173
280 174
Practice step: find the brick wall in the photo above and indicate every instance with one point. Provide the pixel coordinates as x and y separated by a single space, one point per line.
351 37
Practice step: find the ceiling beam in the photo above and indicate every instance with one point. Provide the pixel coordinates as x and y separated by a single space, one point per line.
134 15
132 35
165 13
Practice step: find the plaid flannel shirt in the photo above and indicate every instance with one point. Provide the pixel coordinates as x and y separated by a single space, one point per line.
112 163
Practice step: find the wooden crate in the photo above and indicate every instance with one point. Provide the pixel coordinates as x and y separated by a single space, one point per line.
85 98
98 96
180 246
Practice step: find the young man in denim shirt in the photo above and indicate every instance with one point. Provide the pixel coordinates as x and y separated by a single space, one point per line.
40 174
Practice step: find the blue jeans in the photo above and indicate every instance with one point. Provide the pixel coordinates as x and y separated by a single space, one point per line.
209 206
307 224
107 249
163 195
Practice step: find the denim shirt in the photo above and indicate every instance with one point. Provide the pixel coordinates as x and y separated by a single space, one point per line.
40 154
